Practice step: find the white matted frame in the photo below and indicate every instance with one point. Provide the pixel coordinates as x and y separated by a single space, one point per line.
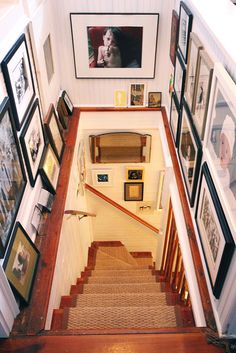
102 177
220 140
138 29
137 95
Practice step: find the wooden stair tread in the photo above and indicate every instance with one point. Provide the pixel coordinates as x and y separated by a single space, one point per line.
124 288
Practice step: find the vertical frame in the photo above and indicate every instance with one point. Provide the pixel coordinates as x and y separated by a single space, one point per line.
174 36
185 27
154 99
50 169
179 77
137 93
175 118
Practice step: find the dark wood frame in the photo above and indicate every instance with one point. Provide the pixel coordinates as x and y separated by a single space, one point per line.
174 36
23 290
229 246
12 55
157 103
10 202
138 185
184 9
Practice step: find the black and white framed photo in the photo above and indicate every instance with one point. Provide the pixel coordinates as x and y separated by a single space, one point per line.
33 142
17 72
220 140
195 46
21 263
216 239
179 77
109 45
185 27
12 174
49 169
68 103
190 153
175 118
102 177
202 92
137 95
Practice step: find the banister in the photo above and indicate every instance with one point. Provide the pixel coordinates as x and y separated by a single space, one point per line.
121 208
78 213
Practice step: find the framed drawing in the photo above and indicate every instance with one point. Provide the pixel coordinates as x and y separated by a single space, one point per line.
62 113
18 77
135 174
174 36
137 92
202 92
216 239
102 177
49 169
33 142
220 140
68 103
121 45
21 262
133 191
190 153
154 99
53 132
120 98
47 49
175 117
12 174
179 77
185 27
195 46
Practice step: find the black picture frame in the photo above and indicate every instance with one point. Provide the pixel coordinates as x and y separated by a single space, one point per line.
17 72
185 27
12 174
215 235
175 118
49 169
190 153
133 191
62 113
68 103
20 263
33 142
179 77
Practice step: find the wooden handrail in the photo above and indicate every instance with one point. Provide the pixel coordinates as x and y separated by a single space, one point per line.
78 213
121 208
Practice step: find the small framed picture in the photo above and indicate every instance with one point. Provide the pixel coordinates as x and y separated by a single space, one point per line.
120 98
17 73
185 27
33 142
216 239
135 174
179 77
62 113
102 177
154 99
21 262
50 169
137 92
68 103
133 191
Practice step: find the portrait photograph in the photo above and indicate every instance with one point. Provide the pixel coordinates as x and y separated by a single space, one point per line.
137 93
154 99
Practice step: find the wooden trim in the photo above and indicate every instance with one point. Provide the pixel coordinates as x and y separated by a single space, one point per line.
121 208
206 303
116 109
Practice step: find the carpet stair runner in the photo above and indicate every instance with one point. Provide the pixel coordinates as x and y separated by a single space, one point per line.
119 290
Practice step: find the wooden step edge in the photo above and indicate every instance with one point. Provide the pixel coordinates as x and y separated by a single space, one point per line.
68 301
76 289
57 318
184 316
107 243
141 254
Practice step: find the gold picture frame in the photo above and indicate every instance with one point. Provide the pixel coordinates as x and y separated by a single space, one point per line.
135 174
133 191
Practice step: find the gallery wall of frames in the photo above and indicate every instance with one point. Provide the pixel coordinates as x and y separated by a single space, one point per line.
203 125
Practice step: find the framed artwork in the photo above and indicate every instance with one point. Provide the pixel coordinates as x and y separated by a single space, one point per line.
102 177
179 77
190 153
133 191
121 45
53 132
216 239
175 117
174 35
21 262
12 174
202 92
135 174
49 169
120 98
33 142
137 93
47 49
185 27
195 46
18 77
62 113
220 140
154 99
68 103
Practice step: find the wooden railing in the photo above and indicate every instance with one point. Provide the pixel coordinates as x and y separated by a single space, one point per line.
80 214
121 208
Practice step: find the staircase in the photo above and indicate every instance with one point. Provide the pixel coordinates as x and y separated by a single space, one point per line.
120 291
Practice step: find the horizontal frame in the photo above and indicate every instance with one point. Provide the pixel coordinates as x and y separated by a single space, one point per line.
18 77
216 239
50 169
21 262
12 174
133 57
135 174
154 99
133 191
102 177
185 27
